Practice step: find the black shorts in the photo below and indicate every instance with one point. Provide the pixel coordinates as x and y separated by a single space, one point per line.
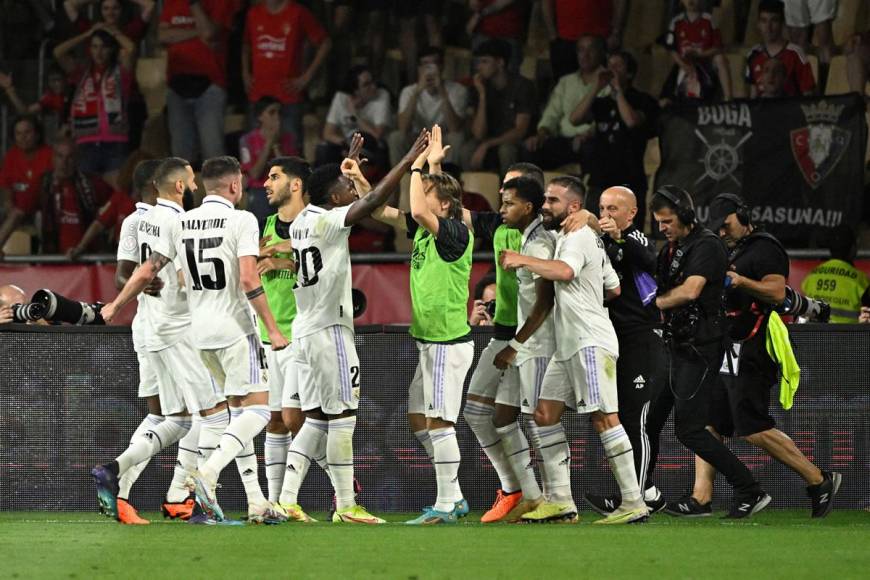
640 360
740 405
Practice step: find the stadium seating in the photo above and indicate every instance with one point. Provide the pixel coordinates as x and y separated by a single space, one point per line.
846 22
838 82
737 67
485 183
725 18
645 23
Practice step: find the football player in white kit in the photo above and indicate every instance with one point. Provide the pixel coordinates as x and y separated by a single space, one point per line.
328 367
184 388
582 372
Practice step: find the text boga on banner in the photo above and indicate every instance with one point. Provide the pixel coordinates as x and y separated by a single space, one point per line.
798 162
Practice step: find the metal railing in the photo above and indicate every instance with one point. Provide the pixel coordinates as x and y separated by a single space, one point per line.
386 258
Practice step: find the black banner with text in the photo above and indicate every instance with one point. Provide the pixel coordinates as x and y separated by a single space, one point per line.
798 163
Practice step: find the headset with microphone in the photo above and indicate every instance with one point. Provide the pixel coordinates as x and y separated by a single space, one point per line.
681 200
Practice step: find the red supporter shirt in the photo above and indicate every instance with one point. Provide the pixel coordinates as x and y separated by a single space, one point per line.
113 213
134 29
251 145
506 23
70 228
798 72
194 57
54 103
277 42
22 175
700 35
574 18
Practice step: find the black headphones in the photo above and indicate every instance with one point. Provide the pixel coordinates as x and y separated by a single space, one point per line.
742 210
681 200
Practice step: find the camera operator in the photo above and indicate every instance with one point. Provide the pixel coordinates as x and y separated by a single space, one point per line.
758 270
483 310
9 296
691 274
635 320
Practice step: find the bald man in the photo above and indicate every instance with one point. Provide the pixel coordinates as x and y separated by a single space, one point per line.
9 295
635 319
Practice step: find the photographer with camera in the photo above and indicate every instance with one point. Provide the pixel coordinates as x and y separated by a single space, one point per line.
10 297
691 273
756 286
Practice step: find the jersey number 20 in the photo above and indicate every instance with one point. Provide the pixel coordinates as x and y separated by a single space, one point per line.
196 257
309 263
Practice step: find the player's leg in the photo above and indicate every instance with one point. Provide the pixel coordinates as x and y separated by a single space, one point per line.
531 378
556 394
478 413
149 391
444 367
278 436
593 370
516 448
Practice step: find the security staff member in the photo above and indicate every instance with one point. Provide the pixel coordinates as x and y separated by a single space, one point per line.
691 274
758 270
837 281
635 319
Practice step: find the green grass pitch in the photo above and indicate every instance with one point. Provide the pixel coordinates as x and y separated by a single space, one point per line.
773 544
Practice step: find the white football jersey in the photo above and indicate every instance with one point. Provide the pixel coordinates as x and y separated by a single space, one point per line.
168 314
538 243
323 297
581 318
128 249
209 241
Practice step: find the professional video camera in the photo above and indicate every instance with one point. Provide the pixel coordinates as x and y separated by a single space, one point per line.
53 307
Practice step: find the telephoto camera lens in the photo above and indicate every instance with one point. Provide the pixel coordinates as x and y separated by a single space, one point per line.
27 312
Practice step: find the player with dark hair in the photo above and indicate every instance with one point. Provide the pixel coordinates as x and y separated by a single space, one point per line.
217 246
323 335
184 386
582 371
690 273
285 189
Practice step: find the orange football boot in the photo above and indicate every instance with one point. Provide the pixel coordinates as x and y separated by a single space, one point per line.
127 514
179 510
504 503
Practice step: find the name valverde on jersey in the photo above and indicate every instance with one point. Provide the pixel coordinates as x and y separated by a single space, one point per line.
208 242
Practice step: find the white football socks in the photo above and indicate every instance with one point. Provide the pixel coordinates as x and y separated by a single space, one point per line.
131 475
185 463
170 430
479 417
446 459
339 456
275 456
246 463
210 432
535 440
557 463
305 445
241 431
516 448
617 447
425 441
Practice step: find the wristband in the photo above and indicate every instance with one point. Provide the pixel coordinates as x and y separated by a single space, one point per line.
515 344
258 291
416 170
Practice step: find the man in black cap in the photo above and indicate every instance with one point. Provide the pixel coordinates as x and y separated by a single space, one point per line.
691 273
756 285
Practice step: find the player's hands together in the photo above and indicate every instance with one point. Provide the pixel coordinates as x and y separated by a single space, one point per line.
419 150
279 342
437 150
505 358
350 169
356 147
511 260
270 264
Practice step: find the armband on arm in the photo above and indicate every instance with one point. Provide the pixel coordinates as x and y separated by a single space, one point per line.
258 291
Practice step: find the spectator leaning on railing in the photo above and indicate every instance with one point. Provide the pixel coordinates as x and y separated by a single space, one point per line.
21 174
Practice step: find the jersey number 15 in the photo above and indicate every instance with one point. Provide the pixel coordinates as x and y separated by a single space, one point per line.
196 257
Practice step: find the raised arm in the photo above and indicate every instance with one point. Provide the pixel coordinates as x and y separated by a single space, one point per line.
365 206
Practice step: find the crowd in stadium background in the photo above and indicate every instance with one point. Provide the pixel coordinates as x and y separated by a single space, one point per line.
119 81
